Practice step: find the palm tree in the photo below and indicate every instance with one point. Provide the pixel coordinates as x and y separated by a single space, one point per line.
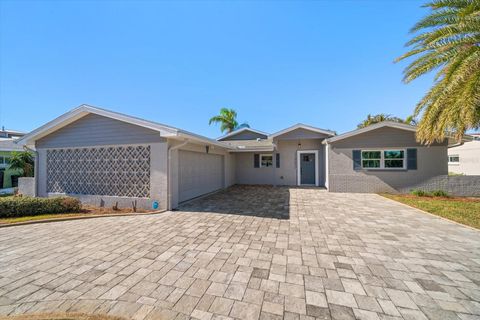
411 120
228 120
448 40
23 162
379 118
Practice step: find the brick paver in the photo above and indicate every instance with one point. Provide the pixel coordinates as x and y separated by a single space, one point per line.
249 253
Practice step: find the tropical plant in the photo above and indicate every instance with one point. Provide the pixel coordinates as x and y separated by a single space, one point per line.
411 120
228 120
22 161
447 40
384 117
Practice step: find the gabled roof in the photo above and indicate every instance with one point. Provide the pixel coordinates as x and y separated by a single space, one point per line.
391 124
375 126
9 145
302 126
235 132
83 110
13 132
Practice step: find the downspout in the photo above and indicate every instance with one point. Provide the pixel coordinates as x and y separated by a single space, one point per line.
275 166
327 171
169 165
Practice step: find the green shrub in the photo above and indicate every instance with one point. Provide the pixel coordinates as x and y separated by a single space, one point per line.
28 206
439 193
419 193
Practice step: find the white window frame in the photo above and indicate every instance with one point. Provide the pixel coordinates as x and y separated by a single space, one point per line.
317 176
455 163
3 164
382 158
266 155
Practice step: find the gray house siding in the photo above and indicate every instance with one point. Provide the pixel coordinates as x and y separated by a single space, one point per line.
245 135
96 130
382 137
246 173
431 162
301 134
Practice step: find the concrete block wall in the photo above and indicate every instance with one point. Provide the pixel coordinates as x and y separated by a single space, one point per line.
26 186
462 186
158 182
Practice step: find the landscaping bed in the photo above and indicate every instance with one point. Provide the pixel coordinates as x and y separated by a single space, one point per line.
16 209
462 210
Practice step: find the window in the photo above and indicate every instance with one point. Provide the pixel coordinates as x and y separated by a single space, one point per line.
383 159
371 159
266 160
4 161
453 159
394 158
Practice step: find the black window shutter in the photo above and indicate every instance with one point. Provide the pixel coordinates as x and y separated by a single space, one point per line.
412 159
357 159
256 160
277 160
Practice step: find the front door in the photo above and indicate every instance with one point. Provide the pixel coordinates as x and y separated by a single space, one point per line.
307 168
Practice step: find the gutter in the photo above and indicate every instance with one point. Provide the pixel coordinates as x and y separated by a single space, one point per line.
169 174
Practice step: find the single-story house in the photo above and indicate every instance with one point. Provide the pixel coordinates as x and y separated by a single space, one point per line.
106 157
8 177
465 158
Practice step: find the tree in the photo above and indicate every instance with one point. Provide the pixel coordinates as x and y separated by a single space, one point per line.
228 120
23 162
382 117
447 40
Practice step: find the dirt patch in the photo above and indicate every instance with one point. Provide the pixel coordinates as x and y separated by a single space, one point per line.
109 210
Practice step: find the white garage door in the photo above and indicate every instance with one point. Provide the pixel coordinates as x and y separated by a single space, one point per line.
199 173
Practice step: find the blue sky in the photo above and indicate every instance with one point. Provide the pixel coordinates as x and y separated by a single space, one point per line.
323 63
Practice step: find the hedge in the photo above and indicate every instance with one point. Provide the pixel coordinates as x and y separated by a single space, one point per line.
29 206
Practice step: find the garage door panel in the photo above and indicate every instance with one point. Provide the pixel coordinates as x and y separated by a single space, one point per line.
199 173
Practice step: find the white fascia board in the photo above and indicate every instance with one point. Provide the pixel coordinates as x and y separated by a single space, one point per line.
84 110
235 132
201 139
301 126
252 150
352 133
51 126
163 129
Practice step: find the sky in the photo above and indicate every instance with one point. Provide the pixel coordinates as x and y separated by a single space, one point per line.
277 63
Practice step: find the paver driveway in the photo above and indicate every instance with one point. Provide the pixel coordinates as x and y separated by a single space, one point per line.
334 256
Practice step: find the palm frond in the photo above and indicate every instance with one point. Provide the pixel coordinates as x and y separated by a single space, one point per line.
447 41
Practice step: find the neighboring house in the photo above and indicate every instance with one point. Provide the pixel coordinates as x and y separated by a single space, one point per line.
465 158
7 146
106 157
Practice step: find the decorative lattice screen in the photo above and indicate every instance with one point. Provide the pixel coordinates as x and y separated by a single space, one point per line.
109 171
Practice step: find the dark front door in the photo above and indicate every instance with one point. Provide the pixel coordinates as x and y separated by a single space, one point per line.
307 168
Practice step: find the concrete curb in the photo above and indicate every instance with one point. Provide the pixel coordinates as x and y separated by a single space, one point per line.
79 218
430 214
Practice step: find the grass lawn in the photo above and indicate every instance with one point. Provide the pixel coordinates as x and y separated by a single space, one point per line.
463 210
